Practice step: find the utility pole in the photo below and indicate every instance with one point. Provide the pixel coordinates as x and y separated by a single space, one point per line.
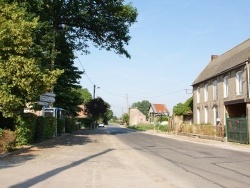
94 92
127 102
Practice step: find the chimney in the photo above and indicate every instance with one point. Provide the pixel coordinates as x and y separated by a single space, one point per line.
214 57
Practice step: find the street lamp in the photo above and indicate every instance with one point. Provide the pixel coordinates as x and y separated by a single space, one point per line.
94 91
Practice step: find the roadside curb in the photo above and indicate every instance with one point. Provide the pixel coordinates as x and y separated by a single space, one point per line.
220 143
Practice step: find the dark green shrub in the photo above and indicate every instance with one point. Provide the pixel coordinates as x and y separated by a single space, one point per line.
86 122
7 123
25 128
70 125
50 127
60 126
40 129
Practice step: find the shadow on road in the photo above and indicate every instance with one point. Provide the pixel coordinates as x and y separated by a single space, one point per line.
46 175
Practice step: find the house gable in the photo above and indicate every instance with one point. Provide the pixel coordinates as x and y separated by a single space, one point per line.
158 109
229 60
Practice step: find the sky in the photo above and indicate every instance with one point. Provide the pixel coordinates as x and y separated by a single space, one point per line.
172 42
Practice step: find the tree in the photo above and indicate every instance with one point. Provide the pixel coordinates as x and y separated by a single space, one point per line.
107 116
143 106
96 108
182 109
125 118
65 26
85 95
21 78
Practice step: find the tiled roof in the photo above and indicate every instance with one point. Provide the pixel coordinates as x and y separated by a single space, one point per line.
160 108
232 58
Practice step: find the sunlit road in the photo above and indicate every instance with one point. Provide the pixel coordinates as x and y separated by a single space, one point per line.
119 157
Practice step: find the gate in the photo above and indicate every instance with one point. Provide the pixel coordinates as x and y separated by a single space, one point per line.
237 130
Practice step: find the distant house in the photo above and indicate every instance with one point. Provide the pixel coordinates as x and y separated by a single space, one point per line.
222 89
136 117
81 114
157 110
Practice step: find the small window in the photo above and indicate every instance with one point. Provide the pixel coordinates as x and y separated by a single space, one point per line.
206 93
239 83
216 115
225 87
198 116
215 90
206 114
198 95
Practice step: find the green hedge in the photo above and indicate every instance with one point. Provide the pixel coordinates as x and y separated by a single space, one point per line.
70 125
25 128
60 126
50 127
40 129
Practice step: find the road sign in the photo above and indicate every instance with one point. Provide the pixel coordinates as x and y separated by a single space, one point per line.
49 94
48 99
43 103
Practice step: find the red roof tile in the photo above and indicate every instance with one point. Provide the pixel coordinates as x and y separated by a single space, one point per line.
160 108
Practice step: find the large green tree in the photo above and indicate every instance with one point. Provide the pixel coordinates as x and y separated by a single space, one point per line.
68 25
184 108
143 106
21 78
96 108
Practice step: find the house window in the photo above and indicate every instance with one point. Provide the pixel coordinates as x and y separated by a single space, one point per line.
206 114
239 83
198 95
215 90
198 116
225 86
216 115
206 93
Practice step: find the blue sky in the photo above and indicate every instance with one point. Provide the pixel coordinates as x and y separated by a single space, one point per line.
172 42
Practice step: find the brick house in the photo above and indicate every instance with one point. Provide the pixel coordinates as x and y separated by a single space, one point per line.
221 90
157 110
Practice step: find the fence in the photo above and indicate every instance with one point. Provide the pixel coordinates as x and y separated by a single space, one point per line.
237 130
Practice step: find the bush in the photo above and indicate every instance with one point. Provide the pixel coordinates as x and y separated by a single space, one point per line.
50 127
70 125
60 126
86 122
40 129
7 140
7 123
186 128
142 127
25 128
205 129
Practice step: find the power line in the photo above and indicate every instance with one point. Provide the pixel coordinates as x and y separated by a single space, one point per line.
84 70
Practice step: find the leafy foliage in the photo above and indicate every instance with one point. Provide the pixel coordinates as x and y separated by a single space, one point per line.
21 79
182 109
40 129
25 128
143 106
60 126
50 127
70 125
96 108
125 118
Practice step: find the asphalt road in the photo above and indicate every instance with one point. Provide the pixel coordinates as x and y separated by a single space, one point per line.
118 157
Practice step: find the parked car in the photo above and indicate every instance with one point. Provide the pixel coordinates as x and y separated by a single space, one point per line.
101 125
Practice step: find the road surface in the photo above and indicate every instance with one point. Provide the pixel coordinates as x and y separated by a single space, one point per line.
115 157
